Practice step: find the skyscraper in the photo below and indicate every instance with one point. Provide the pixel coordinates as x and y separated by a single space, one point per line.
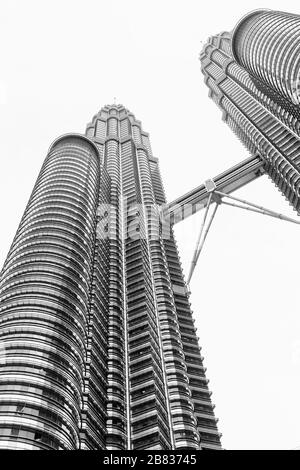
253 74
98 344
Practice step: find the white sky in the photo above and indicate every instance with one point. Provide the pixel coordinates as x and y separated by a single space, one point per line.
63 60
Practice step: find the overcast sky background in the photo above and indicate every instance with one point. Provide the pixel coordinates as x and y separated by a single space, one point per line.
61 62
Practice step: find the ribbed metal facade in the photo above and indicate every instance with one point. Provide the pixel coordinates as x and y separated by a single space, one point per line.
260 110
99 348
46 292
267 44
162 386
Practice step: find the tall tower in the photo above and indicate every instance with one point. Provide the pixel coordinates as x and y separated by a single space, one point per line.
98 344
253 74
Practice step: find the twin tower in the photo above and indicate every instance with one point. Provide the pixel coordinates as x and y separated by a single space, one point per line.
98 344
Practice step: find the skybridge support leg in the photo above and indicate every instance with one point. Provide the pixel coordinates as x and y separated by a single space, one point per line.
201 240
218 198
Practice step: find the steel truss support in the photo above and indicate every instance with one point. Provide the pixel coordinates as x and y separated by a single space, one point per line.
201 240
218 197
254 208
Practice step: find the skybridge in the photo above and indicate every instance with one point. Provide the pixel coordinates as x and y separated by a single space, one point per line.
227 182
214 192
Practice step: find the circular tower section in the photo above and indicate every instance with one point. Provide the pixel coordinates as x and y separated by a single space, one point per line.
44 300
267 44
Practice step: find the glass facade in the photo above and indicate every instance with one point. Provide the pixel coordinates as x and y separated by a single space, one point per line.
267 44
44 302
256 99
99 345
